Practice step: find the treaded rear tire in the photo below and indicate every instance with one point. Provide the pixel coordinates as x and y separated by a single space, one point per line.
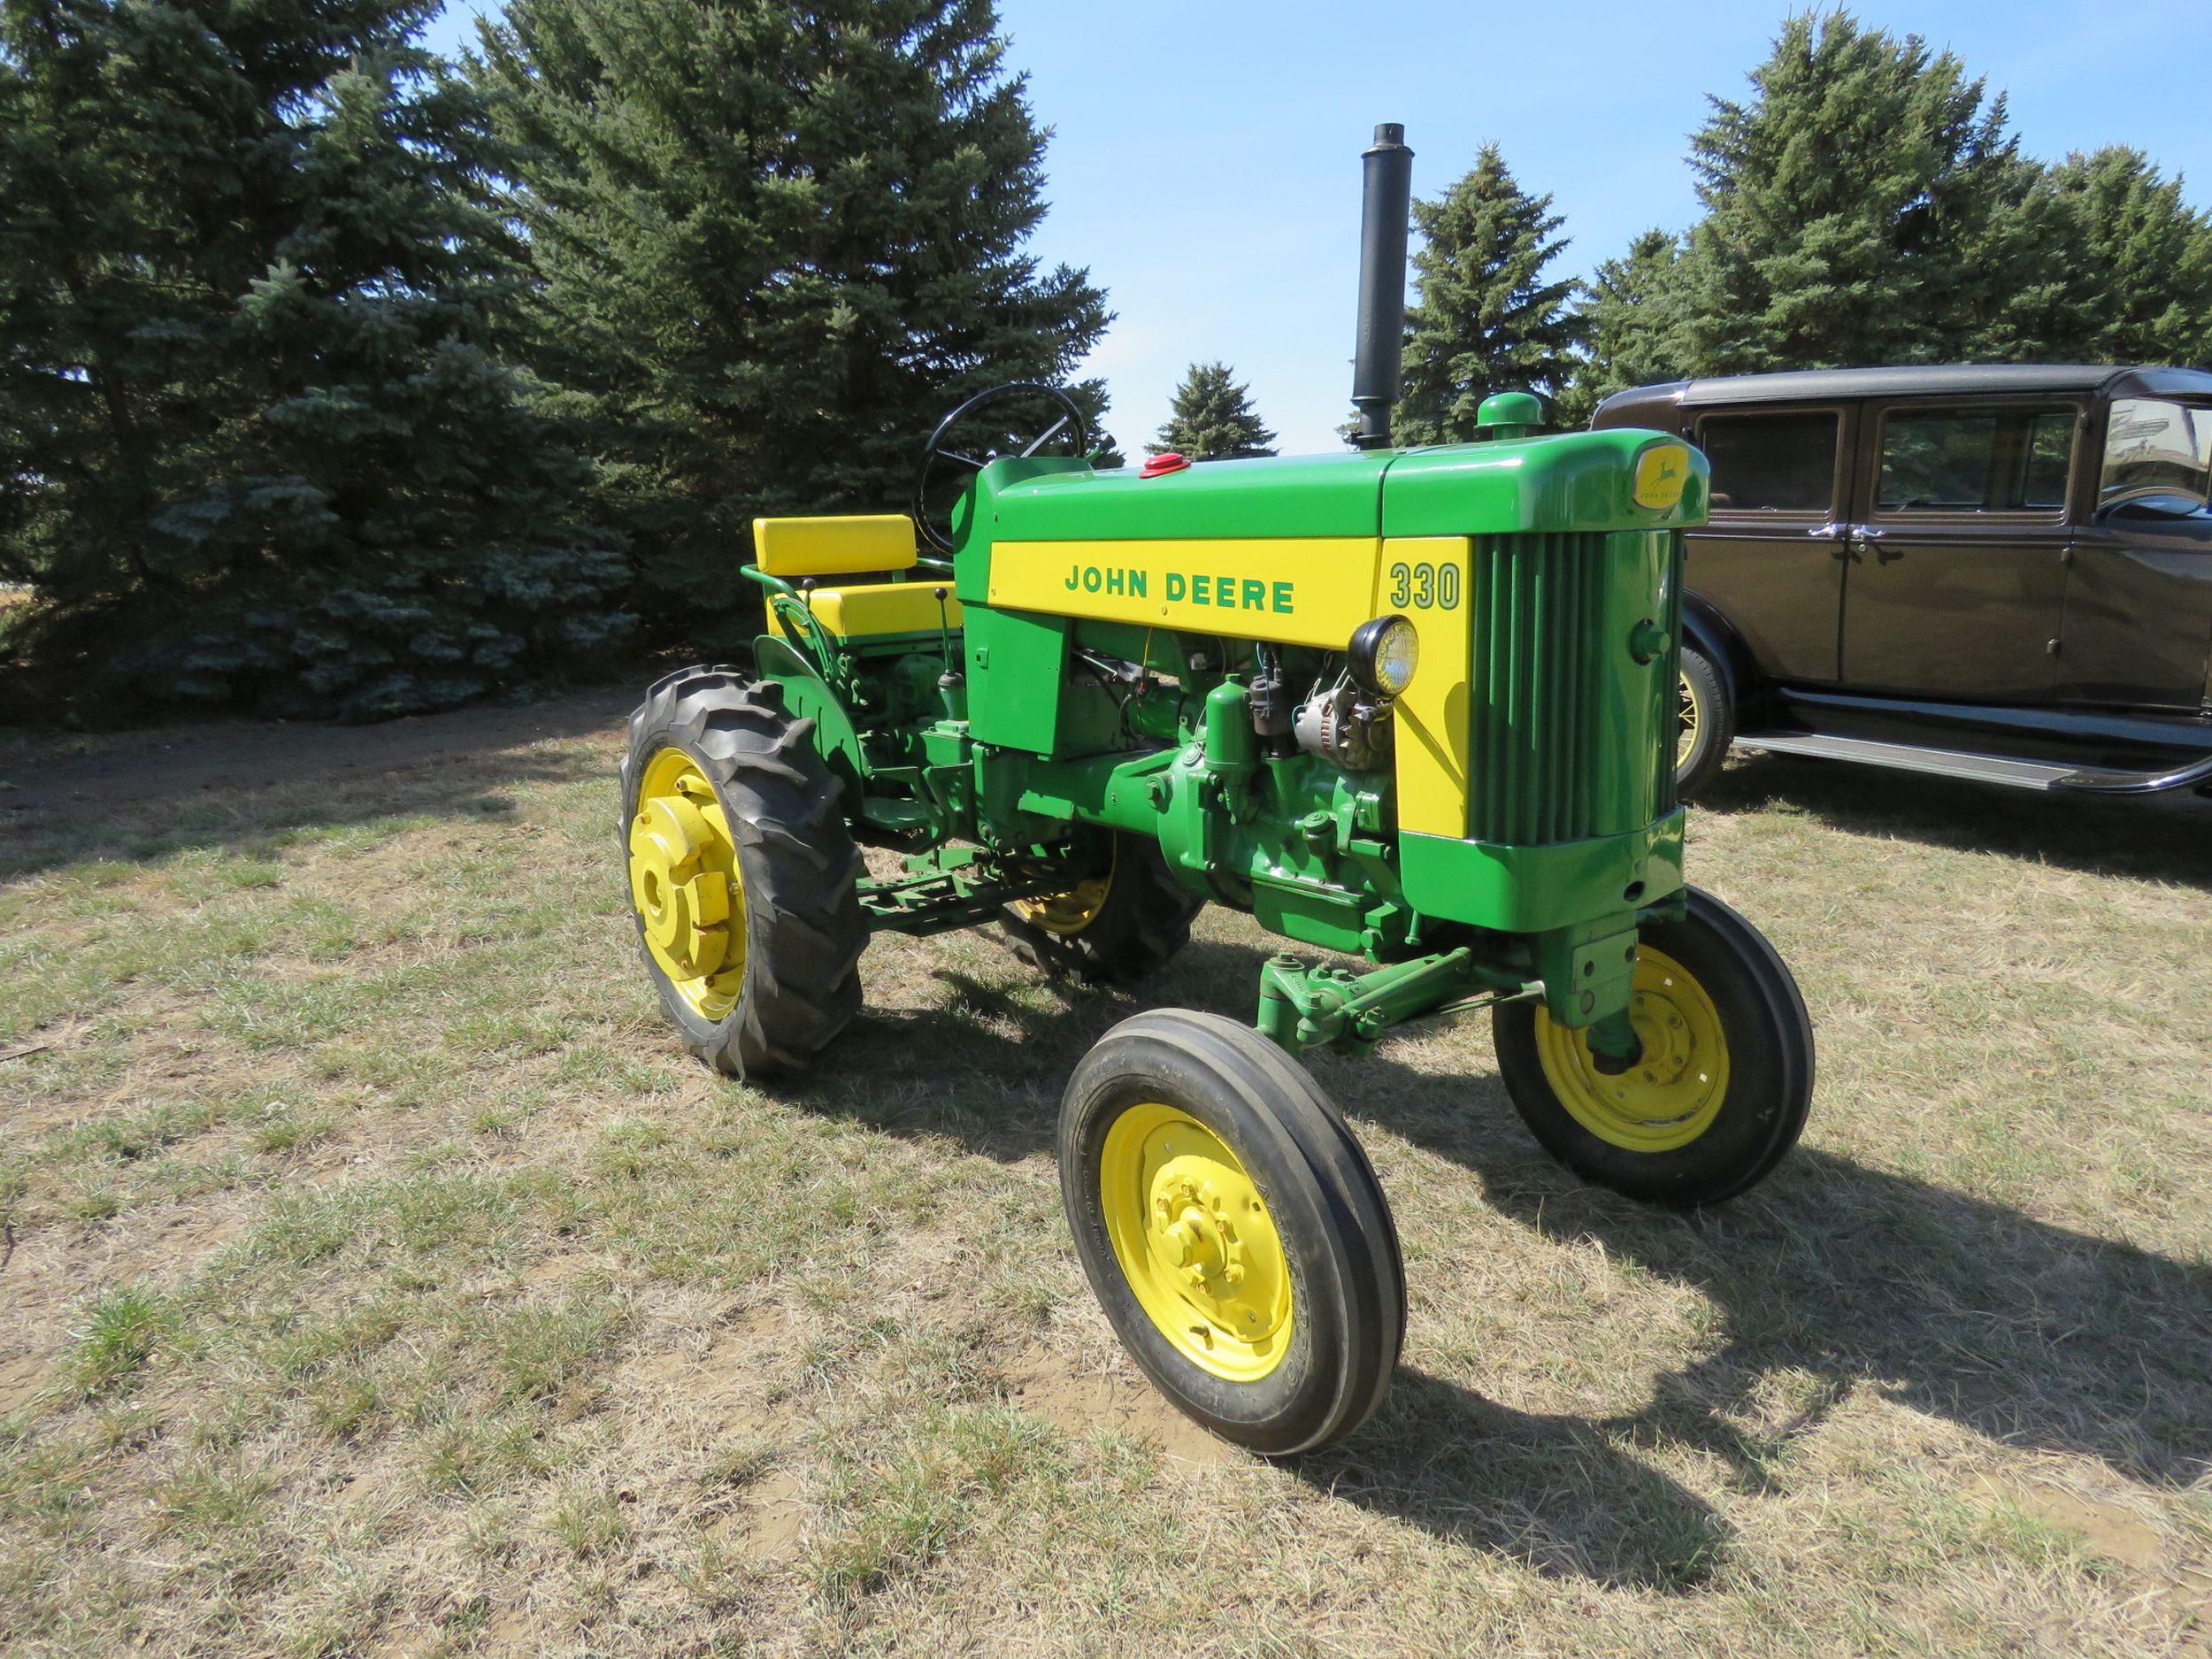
800 869
1145 920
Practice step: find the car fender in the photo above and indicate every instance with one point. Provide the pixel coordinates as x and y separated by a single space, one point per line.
1706 630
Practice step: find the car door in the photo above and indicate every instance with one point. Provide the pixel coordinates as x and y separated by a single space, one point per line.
2138 593
1770 557
1956 581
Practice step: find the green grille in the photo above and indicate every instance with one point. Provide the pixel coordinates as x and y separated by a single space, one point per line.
1538 603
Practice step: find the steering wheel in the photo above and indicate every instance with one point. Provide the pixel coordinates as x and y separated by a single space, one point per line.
938 455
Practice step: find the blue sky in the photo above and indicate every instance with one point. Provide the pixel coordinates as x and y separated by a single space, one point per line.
1204 163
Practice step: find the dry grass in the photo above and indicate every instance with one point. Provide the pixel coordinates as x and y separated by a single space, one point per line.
381 1281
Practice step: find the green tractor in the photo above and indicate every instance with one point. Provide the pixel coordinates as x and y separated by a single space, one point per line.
1412 707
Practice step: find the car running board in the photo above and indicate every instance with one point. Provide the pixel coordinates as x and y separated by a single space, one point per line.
1948 762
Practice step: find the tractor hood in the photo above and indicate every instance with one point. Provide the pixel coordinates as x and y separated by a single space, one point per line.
1574 481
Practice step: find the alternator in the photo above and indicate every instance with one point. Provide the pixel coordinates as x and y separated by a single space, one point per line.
1342 726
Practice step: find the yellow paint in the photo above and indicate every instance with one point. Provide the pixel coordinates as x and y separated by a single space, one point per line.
1672 1094
685 886
846 545
1195 1242
1288 591
1662 472
879 607
1303 591
1433 719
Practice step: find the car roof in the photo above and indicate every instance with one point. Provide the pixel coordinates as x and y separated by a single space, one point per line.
1806 385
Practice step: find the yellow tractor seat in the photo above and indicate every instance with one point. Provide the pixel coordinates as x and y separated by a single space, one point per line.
877 608
849 545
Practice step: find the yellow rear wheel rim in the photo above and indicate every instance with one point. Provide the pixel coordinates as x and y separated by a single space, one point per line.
684 885
1068 914
1195 1242
1691 719
1672 1095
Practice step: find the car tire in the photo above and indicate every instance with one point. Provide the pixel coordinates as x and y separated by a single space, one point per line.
1707 724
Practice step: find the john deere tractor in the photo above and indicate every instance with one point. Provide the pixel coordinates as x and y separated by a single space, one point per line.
1415 708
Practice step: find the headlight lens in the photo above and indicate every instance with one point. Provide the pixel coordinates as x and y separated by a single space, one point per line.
1384 654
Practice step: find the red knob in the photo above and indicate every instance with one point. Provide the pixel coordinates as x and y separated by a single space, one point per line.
1160 464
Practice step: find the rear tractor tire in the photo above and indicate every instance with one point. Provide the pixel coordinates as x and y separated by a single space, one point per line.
1232 1230
1724 1084
744 875
1118 929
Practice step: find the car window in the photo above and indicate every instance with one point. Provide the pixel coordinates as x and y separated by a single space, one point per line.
2007 459
1771 463
2155 448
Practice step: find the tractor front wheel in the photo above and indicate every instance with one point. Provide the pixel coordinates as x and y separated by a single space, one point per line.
1233 1229
1722 1086
743 876
1118 926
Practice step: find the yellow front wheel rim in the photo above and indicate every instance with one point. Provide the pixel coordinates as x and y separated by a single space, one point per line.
684 884
1673 1092
1195 1242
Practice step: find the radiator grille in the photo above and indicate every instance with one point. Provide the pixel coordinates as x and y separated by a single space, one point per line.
1534 759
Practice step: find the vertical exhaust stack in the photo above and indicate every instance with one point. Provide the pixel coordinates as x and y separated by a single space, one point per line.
1386 204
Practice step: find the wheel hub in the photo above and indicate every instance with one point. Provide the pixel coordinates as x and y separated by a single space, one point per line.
1672 1091
1196 1242
682 882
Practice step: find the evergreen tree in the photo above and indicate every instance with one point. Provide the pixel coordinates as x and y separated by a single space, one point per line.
1631 325
773 245
1485 319
1863 207
257 446
2132 266
1212 418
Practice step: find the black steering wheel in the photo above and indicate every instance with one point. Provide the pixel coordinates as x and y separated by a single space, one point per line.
999 441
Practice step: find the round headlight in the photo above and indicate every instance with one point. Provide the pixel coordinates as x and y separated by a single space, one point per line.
1382 656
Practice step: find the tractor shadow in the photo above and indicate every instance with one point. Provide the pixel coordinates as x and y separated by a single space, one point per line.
2154 838
2030 1334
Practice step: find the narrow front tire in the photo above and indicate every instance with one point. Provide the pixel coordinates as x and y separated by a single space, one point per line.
1724 1083
1233 1229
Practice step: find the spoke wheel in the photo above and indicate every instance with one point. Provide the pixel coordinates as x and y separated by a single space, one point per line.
1706 724
1717 1095
1232 1230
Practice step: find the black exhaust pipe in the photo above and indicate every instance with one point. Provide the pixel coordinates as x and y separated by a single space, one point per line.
1386 207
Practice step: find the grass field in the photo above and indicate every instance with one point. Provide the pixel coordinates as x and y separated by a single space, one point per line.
379 1279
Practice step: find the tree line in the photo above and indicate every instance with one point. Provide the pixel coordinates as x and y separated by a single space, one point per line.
343 380
1867 203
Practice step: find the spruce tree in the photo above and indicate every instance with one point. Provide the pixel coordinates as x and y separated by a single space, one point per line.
1860 207
258 447
2133 265
1631 325
1485 318
773 244
1212 418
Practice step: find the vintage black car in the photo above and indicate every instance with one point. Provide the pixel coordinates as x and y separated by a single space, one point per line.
1996 571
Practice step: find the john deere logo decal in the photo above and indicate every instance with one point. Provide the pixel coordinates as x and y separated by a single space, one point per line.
1660 474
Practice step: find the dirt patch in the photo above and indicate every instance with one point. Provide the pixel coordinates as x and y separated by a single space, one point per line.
1083 1401
22 1380
2112 1530
39 774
